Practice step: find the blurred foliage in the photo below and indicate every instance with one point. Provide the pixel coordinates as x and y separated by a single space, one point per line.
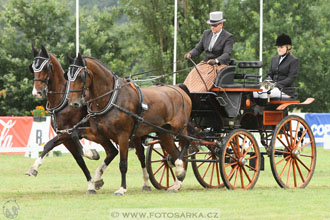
131 36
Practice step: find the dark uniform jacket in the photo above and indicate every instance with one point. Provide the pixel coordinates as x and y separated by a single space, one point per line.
221 50
285 73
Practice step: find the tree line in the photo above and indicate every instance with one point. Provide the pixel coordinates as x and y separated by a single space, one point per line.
131 36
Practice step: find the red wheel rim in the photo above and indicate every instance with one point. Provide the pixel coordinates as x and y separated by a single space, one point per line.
240 161
293 153
207 172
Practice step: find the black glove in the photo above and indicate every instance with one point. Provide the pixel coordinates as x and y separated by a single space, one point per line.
187 56
212 62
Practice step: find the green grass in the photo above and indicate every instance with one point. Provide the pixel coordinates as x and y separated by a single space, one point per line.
59 192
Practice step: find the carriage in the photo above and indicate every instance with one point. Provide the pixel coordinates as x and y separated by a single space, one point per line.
223 148
235 131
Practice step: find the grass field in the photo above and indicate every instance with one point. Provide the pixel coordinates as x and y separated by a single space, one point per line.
59 192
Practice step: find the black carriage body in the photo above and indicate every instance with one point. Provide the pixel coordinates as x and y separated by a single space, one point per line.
227 117
230 104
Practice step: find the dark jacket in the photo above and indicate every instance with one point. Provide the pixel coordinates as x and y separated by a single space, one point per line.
221 49
285 73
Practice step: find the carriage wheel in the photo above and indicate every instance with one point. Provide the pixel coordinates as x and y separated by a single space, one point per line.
160 169
293 153
240 160
207 172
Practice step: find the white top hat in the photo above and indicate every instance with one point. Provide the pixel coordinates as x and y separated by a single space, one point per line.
216 18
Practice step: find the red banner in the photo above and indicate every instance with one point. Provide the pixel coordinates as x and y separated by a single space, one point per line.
14 132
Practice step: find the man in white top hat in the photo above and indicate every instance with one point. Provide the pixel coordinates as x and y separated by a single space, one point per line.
217 44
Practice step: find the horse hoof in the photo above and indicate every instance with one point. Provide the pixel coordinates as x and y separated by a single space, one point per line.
146 188
96 155
172 191
118 194
31 172
90 192
99 184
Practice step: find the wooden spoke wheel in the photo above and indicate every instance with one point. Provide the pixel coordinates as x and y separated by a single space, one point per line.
161 171
240 160
293 153
206 167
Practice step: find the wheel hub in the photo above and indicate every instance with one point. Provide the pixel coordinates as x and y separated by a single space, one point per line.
242 161
295 153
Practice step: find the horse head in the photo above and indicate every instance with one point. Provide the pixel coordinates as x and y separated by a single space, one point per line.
41 69
80 80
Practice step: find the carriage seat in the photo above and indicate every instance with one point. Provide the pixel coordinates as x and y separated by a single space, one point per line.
226 76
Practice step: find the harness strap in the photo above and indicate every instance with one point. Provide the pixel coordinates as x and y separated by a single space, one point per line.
160 129
142 107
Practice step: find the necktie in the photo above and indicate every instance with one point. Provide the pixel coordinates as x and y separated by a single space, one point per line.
212 42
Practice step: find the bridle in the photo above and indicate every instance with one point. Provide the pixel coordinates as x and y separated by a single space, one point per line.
72 75
41 64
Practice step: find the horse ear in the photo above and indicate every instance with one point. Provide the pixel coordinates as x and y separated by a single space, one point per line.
69 58
66 76
81 60
34 50
44 52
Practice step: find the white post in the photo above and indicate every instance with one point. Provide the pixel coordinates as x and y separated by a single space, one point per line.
77 27
260 38
175 32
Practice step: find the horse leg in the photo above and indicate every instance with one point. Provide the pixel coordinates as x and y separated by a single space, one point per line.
33 171
76 153
111 152
140 154
123 149
167 141
90 154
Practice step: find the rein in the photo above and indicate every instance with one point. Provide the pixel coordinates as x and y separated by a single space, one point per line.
153 70
199 73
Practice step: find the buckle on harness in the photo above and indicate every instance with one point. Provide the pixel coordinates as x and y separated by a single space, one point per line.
144 106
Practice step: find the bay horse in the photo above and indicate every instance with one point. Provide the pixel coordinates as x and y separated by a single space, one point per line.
114 104
49 81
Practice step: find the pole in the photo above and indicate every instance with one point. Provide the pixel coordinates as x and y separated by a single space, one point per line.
77 27
175 36
260 38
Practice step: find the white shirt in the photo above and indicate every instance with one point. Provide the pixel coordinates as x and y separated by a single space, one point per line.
216 38
282 58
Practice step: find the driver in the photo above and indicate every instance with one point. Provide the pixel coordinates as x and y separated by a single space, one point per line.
217 44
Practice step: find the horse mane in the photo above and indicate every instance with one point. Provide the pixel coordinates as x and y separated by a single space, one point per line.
52 55
99 62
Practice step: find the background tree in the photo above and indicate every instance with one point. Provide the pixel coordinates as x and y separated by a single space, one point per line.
131 36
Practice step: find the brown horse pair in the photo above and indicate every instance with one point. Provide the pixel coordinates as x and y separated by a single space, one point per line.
120 111
49 81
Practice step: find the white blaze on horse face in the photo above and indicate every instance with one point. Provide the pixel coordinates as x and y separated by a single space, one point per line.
35 92
99 171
